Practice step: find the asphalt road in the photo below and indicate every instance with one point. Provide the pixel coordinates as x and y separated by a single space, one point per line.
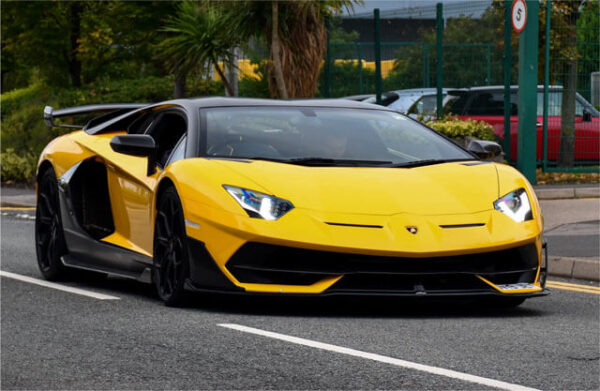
52 339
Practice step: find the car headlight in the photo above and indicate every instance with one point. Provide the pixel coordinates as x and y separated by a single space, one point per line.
258 204
515 205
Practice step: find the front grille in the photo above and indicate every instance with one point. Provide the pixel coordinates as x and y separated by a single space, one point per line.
269 264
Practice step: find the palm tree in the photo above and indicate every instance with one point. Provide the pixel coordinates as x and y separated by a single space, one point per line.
198 38
296 37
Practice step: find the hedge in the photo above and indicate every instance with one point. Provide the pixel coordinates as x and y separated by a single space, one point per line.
458 129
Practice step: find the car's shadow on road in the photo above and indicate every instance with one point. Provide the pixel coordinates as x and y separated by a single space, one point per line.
349 306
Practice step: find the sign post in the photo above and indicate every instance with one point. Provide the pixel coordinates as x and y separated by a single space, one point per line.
524 18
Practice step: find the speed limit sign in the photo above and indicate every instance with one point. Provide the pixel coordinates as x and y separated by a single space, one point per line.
518 15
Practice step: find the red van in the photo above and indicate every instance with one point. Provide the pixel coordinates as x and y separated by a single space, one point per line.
487 104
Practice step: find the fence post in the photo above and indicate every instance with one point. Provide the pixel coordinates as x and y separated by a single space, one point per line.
546 83
360 70
507 66
528 67
440 58
423 65
489 66
327 62
377 56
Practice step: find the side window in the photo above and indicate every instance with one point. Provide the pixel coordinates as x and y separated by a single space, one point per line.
141 124
457 103
167 129
178 153
555 104
487 103
578 108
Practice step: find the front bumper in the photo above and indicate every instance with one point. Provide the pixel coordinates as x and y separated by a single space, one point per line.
264 268
316 253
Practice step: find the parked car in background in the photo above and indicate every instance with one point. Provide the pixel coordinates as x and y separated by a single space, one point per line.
406 98
358 98
402 100
426 106
487 104
386 98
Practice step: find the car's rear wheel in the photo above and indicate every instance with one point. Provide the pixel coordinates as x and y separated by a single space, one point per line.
170 255
49 236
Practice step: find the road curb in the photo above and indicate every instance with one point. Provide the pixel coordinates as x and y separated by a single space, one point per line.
24 201
559 193
582 268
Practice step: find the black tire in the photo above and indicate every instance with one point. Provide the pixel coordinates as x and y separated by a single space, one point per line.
49 236
171 267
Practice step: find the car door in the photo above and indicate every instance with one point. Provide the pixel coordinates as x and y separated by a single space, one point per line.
132 190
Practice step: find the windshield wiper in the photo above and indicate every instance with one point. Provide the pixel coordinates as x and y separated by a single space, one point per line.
320 161
426 162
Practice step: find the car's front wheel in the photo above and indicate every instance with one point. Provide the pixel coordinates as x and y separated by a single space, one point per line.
170 255
49 237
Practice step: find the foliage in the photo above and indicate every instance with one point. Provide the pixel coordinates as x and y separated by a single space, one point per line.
17 167
255 88
588 44
345 79
104 39
198 37
465 55
459 129
550 178
337 34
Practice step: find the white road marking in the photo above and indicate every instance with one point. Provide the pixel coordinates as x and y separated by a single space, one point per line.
384 359
59 287
22 216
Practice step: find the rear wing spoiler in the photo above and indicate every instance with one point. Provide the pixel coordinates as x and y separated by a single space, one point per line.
106 111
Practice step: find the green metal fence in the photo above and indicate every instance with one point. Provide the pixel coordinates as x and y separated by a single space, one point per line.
477 47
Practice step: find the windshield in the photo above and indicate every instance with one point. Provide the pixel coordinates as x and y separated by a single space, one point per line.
323 136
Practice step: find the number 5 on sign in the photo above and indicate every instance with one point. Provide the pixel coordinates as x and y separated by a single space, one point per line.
518 15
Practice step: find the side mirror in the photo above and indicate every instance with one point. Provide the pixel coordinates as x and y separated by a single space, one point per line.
486 150
587 116
136 145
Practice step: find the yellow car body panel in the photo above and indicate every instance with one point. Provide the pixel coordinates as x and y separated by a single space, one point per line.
131 190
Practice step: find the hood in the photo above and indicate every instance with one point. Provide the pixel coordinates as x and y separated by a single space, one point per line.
449 188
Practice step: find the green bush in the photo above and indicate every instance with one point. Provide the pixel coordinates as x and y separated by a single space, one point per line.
458 129
17 167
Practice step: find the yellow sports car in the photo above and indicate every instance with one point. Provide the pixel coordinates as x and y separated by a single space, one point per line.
311 197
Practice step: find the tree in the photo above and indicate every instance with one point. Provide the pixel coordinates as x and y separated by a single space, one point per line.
199 36
296 39
563 39
70 43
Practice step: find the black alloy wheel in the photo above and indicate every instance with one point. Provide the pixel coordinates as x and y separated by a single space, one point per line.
49 236
170 254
